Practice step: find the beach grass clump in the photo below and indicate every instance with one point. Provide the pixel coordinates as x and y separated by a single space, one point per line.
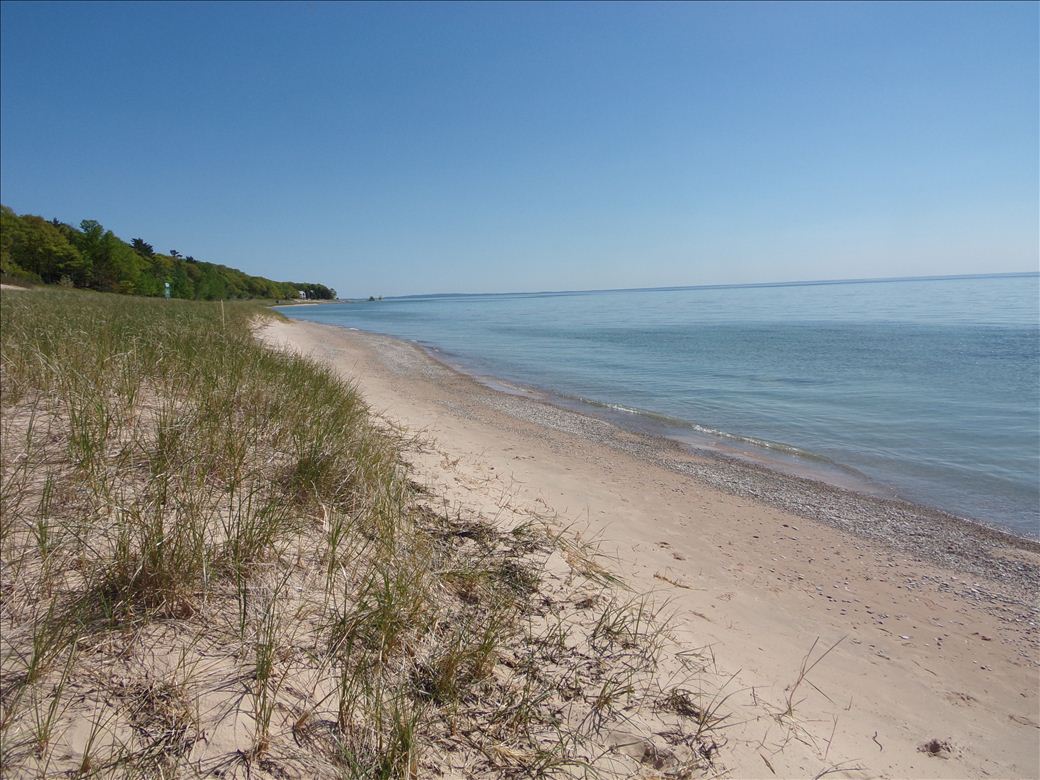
214 561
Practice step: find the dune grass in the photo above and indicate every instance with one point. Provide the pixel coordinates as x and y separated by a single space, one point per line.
214 562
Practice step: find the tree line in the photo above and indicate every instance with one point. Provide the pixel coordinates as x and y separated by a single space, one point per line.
37 250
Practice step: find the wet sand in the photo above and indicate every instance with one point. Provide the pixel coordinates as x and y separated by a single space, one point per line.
932 619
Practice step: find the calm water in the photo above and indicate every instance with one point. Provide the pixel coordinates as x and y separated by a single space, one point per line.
926 389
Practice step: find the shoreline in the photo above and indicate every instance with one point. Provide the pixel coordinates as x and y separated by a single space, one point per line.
657 447
770 467
777 458
962 544
937 634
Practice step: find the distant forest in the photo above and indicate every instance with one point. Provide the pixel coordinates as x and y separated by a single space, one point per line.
36 250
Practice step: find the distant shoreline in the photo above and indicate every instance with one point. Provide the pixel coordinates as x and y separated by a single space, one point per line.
730 286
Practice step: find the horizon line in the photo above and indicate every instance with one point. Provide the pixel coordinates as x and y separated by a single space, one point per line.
729 285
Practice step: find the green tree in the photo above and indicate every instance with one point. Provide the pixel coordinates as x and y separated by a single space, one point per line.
115 267
211 285
143 248
181 285
37 249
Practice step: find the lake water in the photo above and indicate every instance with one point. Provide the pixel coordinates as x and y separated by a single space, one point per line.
925 389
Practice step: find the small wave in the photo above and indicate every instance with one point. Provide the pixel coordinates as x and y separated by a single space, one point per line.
763 443
773 446
618 408
625 409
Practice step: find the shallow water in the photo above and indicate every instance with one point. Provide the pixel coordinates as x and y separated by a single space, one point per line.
926 389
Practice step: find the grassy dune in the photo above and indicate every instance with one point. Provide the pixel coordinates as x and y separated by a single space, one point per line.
214 561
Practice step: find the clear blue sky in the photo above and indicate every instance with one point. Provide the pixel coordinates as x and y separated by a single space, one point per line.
408 148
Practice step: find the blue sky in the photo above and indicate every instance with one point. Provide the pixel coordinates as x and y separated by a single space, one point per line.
410 148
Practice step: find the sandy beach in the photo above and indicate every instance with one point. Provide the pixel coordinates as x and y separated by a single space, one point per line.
853 636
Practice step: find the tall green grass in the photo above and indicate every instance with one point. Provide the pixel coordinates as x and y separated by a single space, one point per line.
214 538
157 460
192 450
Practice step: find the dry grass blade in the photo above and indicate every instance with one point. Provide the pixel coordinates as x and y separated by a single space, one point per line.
803 673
